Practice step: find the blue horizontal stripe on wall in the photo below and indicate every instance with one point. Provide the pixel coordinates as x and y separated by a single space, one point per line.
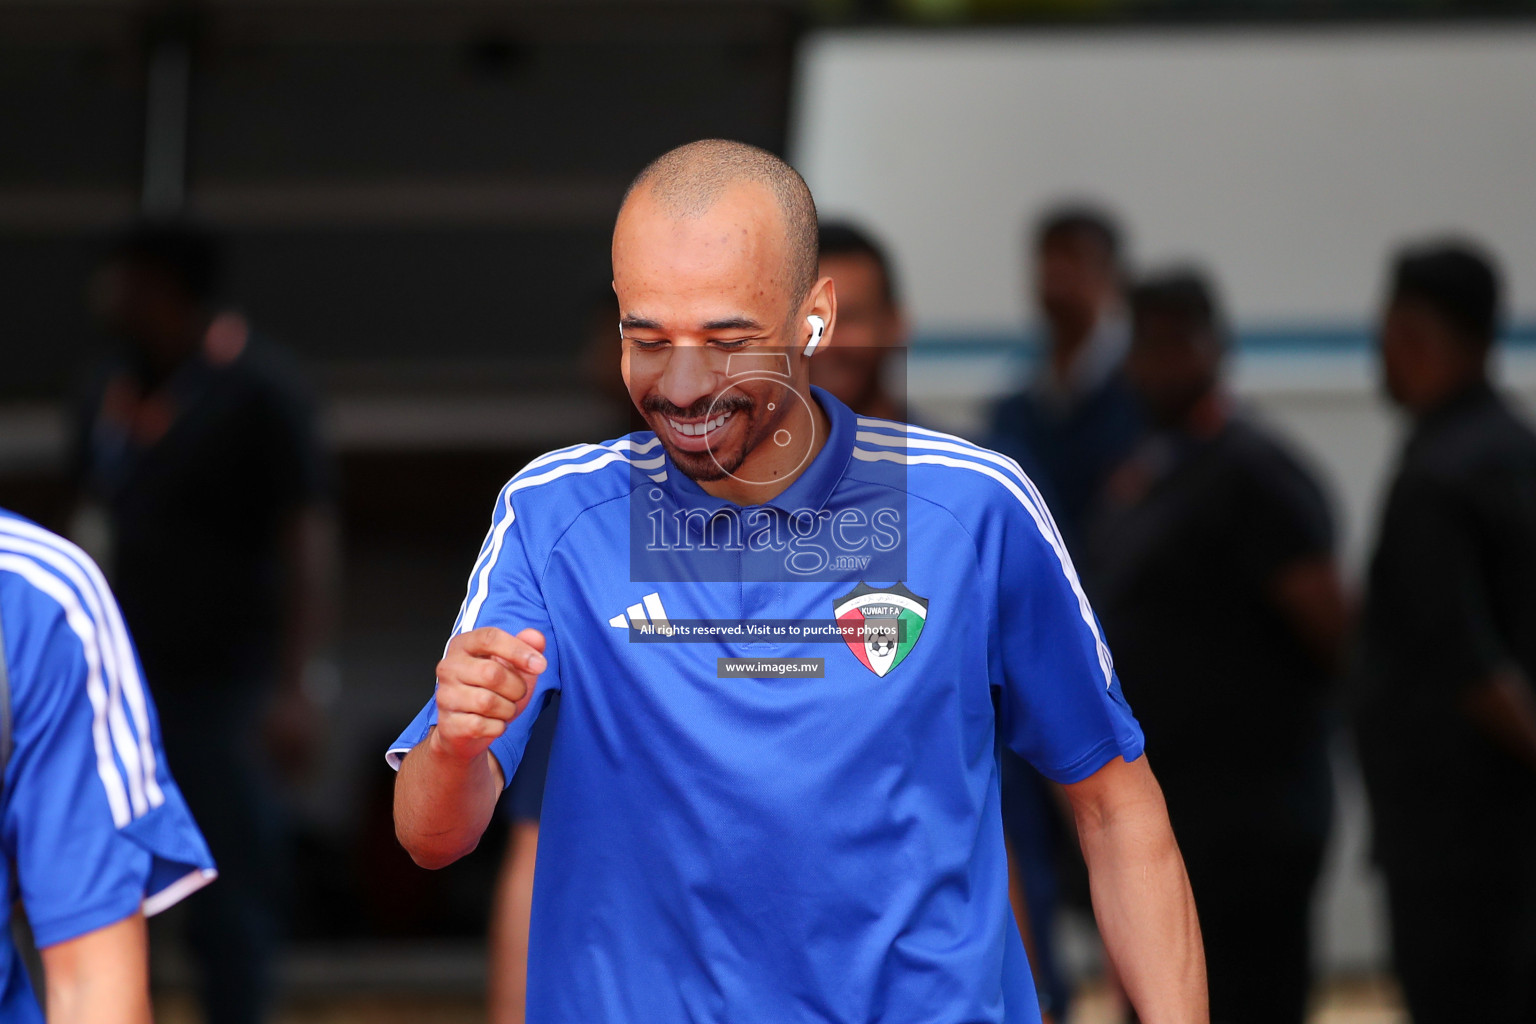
1321 340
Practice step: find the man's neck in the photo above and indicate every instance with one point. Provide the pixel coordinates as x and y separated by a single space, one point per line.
157 363
770 468
1068 342
1465 384
1207 416
1082 351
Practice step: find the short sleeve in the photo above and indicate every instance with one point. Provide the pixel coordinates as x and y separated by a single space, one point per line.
505 592
92 819
1061 707
524 799
1286 516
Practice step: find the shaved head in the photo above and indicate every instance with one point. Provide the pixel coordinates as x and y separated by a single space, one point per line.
688 181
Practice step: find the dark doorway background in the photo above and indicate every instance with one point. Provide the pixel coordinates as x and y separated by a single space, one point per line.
417 199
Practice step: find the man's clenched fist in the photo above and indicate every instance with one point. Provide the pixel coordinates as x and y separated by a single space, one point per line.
483 682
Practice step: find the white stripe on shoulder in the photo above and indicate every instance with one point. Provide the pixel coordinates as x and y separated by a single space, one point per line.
567 454
1038 513
576 451
84 628
921 437
123 738
611 455
178 890
125 683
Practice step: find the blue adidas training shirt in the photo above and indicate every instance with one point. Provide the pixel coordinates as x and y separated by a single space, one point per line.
92 826
718 846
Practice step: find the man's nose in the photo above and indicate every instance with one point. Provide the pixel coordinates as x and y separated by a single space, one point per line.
689 376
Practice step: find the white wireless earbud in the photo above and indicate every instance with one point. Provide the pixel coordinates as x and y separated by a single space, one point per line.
818 328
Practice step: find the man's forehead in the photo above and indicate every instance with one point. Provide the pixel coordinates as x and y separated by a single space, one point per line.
724 267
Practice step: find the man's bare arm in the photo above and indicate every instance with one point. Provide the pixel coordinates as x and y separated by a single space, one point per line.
101 977
443 805
449 783
1141 895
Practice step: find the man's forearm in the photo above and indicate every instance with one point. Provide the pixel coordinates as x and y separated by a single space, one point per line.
101 977
443 804
1145 910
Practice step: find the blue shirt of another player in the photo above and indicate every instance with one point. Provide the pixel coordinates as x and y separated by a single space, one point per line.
721 847
92 826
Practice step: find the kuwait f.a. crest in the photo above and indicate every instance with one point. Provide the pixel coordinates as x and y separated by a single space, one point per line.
882 625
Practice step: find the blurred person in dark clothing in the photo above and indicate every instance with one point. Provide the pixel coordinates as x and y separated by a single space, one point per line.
199 447
1211 564
1447 720
1078 418
870 323
857 370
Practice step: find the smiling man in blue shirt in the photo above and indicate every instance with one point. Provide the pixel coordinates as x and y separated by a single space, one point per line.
809 832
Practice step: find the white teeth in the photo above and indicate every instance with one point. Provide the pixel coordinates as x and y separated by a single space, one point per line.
699 429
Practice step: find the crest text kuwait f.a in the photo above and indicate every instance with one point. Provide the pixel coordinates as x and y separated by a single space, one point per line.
881 626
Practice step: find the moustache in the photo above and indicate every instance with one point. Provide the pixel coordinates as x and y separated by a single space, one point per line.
703 407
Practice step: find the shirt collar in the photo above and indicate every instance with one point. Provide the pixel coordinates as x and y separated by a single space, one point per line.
812 489
1101 355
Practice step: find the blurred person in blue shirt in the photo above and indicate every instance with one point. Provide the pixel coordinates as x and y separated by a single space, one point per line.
1078 418
1074 422
94 833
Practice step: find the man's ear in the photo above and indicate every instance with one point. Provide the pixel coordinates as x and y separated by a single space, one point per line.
821 302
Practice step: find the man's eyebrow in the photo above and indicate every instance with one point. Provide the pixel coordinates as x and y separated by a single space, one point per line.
733 323
639 323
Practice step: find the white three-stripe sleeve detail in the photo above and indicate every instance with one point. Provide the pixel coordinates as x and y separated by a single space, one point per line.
104 607
576 451
1042 523
85 629
124 685
482 575
921 437
567 454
